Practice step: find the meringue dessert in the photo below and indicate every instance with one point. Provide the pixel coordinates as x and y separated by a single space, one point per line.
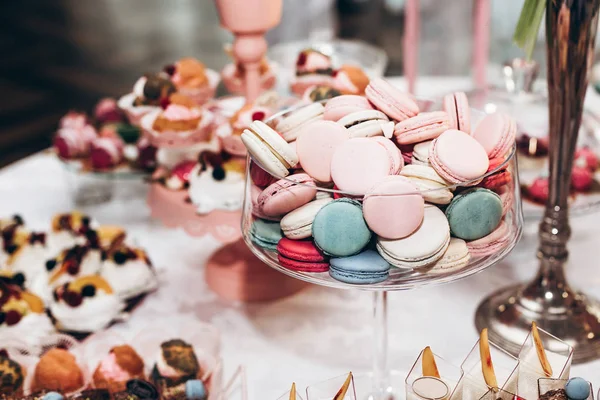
217 182
128 271
68 230
73 263
86 304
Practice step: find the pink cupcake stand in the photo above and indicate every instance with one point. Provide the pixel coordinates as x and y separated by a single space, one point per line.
233 272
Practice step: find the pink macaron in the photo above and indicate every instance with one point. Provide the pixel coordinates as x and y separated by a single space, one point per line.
496 133
459 113
359 163
394 154
286 195
391 100
422 127
341 106
255 193
497 180
316 143
506 195
395 193
260 177
301 255
490 244
458 157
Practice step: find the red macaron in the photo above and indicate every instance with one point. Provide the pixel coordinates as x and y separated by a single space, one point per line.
301 255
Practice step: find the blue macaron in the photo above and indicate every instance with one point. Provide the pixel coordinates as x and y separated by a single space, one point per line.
474 213
339 228
577 389
195 390
266 234
53 396
363 268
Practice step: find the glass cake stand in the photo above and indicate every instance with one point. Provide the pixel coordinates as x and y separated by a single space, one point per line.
526 100
382 387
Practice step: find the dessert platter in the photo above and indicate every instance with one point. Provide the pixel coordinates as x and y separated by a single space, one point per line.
78 277
540 371
154 365
381 192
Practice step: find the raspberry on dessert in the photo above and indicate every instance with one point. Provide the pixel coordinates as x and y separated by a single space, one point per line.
170 69
3 353
587 158
301 60
73 299
12 317
539 190
18 279
258 116
581 179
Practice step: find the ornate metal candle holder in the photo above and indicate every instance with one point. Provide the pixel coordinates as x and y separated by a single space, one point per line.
570 35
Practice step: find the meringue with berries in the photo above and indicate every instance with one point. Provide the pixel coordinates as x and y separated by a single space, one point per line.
129 271
217 182
12 235
86 304
68 230
73 263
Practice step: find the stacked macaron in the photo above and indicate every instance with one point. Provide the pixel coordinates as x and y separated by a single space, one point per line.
362 184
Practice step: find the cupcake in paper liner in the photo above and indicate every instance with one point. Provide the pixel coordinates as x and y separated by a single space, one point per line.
312 68
128 270
217 182
150 92
230 132
74 136
120 365
86 304
22 316
73 263
233 74
180 124
193 79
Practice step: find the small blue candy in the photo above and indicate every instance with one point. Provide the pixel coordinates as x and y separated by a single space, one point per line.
195 390
577 389
53 396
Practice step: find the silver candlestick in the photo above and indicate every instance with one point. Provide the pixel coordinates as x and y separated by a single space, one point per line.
548 300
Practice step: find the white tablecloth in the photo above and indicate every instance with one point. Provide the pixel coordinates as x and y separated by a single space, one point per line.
318 333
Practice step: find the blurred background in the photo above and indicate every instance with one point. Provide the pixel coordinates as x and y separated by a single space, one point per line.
66 54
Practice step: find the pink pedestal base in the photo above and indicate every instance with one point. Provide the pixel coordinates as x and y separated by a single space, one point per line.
233 272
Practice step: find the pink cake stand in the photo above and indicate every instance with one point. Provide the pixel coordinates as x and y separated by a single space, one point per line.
233 272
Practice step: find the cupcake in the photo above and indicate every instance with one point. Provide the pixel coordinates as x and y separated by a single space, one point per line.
217 182
176 364
120 365
312 68
128 271
233 75
73 263
150 92
177 118
74 136
193 79
57 370
230 132
86 304
350 79
12 376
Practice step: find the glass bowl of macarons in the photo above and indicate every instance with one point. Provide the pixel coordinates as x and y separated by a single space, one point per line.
382 191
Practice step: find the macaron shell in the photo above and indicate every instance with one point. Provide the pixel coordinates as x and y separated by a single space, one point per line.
395 193
341 106
455 258
492 243
458 157
463 112
392 101
425 246
425 126
300 250
339 228
431 191
474 213
265 234
423 172
280 148
449 105
263 155
395 156
360 116
367 129
302 266
364 268
289 126
420 155
358 164
287 194
298 223
316 145
496 133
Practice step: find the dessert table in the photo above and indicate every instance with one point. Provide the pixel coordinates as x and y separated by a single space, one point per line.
319 333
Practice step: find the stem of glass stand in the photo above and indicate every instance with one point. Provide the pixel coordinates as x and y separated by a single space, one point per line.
380 330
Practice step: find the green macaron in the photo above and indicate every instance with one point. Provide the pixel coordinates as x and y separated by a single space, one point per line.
474 213
266 234
339 228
